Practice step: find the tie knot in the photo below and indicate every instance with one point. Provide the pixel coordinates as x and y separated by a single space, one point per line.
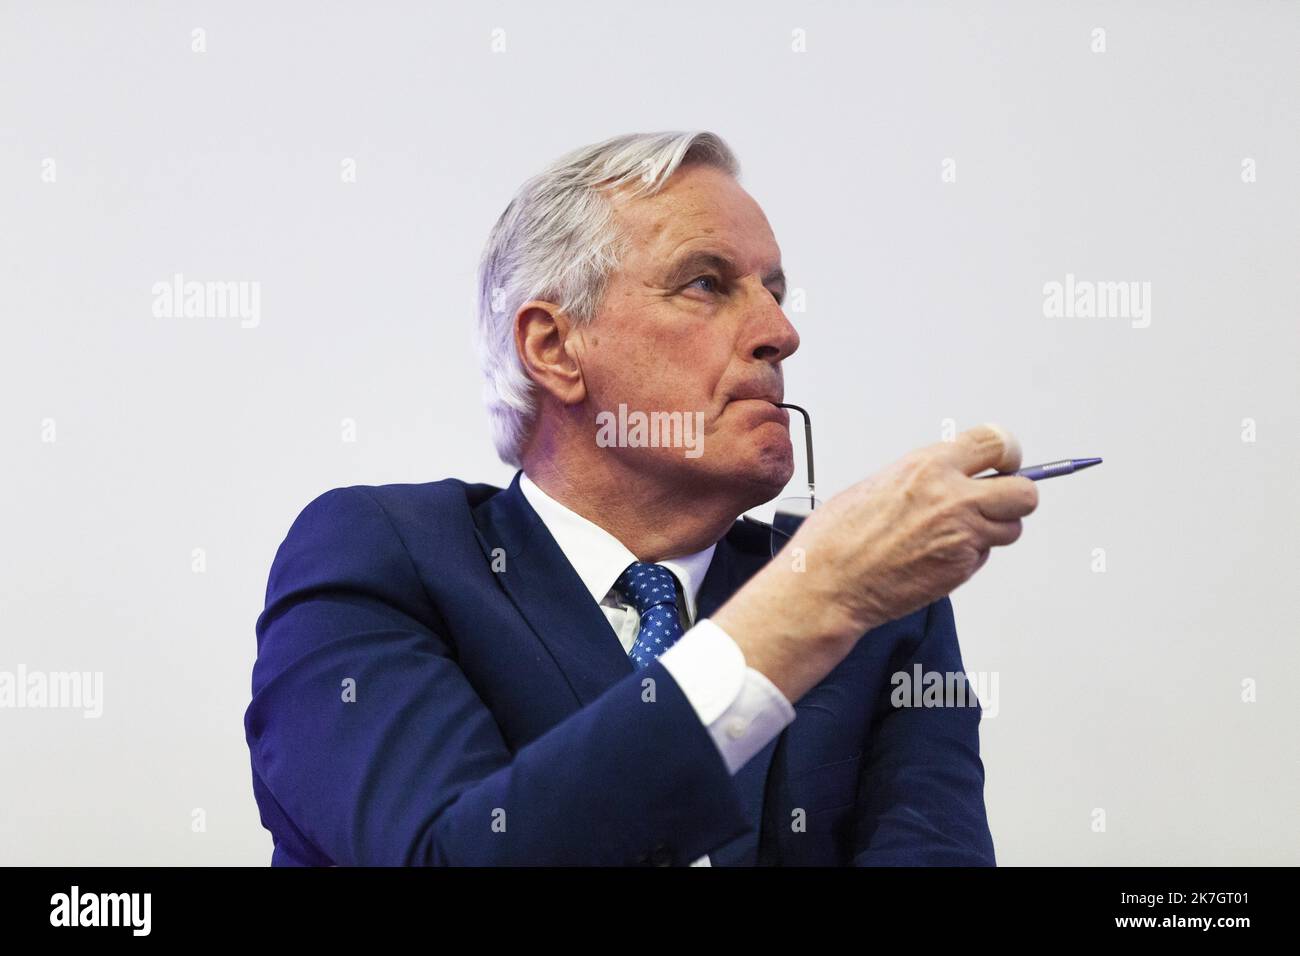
648 585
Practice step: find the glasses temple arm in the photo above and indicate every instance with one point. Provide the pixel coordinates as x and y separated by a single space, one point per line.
808 456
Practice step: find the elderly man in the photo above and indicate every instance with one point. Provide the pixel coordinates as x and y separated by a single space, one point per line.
600 665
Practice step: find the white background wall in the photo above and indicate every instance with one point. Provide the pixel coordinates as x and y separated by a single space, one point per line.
924 301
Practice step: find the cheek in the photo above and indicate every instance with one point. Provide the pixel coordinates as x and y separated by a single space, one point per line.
673 378
657 363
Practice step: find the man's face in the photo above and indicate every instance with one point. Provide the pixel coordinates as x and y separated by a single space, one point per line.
692 322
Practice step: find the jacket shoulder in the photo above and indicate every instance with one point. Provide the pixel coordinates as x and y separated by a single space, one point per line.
402 502
365 532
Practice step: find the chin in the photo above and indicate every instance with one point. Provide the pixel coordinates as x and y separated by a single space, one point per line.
761 472
772 479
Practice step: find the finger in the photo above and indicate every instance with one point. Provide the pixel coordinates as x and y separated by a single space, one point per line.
1005 499
999 534
981 447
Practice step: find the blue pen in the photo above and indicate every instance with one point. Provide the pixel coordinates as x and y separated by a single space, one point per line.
1051 470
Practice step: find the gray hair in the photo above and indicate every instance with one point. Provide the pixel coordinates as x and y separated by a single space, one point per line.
556 241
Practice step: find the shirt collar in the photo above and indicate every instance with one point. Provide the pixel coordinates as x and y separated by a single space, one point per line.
599 557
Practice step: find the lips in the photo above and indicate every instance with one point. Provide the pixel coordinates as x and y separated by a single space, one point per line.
764 395
767 408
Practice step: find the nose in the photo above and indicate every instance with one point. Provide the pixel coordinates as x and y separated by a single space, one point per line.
768 334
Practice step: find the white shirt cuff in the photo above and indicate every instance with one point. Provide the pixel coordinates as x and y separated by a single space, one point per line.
741 708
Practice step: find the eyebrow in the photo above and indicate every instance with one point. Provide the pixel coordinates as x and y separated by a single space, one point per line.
696 262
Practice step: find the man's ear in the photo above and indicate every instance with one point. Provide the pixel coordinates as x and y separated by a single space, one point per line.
542 332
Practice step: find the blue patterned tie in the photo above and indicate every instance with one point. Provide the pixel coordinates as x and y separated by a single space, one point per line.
653 590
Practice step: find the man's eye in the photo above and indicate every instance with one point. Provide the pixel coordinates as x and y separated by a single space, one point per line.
712 279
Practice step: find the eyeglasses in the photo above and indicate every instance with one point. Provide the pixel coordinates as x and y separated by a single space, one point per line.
791 512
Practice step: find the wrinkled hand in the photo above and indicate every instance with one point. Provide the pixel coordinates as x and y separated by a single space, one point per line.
914 532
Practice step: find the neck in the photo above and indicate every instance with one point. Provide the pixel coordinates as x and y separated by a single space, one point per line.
653 520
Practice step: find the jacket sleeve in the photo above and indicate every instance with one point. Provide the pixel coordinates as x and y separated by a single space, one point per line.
921 798
369 745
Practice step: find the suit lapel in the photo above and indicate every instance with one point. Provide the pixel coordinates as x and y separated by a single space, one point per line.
542 584
549 594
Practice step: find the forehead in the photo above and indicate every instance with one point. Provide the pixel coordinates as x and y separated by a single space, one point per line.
699 208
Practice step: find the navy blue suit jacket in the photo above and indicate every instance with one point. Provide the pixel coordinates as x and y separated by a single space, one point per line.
434 685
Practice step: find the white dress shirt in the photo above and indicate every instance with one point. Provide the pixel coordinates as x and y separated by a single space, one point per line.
742 710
